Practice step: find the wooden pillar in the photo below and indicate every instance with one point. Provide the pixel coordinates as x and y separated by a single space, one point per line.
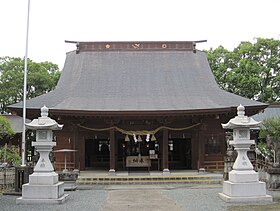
201 149
82 151
194 149
112 152
165 152
76 147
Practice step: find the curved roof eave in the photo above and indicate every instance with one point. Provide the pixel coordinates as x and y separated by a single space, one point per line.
144 82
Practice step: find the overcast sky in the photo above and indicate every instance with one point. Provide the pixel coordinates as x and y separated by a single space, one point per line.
221 22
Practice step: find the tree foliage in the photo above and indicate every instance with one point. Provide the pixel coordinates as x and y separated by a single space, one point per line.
5 128
251 70
271 127
10 155
41 78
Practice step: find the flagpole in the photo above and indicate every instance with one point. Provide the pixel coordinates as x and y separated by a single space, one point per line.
23 143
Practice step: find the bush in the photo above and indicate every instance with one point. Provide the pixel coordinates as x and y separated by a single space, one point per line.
10 155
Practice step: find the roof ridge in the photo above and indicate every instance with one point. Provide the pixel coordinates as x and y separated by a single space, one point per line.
136 45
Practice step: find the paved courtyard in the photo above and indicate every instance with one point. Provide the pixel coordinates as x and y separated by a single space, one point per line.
143 197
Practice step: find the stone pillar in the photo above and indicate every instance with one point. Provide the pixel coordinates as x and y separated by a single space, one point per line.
112 170
243 184
165 152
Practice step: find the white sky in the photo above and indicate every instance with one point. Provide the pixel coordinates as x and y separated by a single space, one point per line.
221 22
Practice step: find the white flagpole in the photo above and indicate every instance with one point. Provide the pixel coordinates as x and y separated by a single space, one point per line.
23 143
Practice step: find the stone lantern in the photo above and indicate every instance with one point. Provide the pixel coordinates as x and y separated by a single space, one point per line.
243 184
43 186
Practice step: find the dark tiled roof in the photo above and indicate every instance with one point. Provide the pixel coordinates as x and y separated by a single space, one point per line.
272 110
137 81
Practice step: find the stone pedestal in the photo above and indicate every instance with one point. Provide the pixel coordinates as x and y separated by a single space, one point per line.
244 187
273 179
70 185
112 172
42 194
43 187
69 179
243 184
166 172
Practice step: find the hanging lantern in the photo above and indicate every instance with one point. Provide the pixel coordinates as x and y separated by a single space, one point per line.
153 138
139 139
126 138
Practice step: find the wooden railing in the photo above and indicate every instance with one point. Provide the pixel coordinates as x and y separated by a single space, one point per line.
219 165
214 165
7 178
59 166
262 164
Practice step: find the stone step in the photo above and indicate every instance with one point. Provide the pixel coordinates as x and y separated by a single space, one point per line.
149 180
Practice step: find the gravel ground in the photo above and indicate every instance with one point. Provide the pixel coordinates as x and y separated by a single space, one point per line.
198 197
203 197
180 196
78 200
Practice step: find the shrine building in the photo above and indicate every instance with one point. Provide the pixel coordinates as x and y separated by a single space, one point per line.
133 105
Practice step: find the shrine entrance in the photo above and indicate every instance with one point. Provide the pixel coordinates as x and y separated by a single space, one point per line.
180 153
147 155
97 154
138 154
161 149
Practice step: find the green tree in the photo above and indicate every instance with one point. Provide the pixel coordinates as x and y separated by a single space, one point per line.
251 70
41 78
271 127
270 132
8 154
6 130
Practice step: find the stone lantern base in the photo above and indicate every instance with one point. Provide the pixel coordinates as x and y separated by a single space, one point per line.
41 191
244 186
244 192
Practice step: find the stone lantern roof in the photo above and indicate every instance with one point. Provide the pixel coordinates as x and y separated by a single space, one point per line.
44 122
241 120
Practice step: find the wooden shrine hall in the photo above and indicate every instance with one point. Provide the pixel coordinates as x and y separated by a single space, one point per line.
135 105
